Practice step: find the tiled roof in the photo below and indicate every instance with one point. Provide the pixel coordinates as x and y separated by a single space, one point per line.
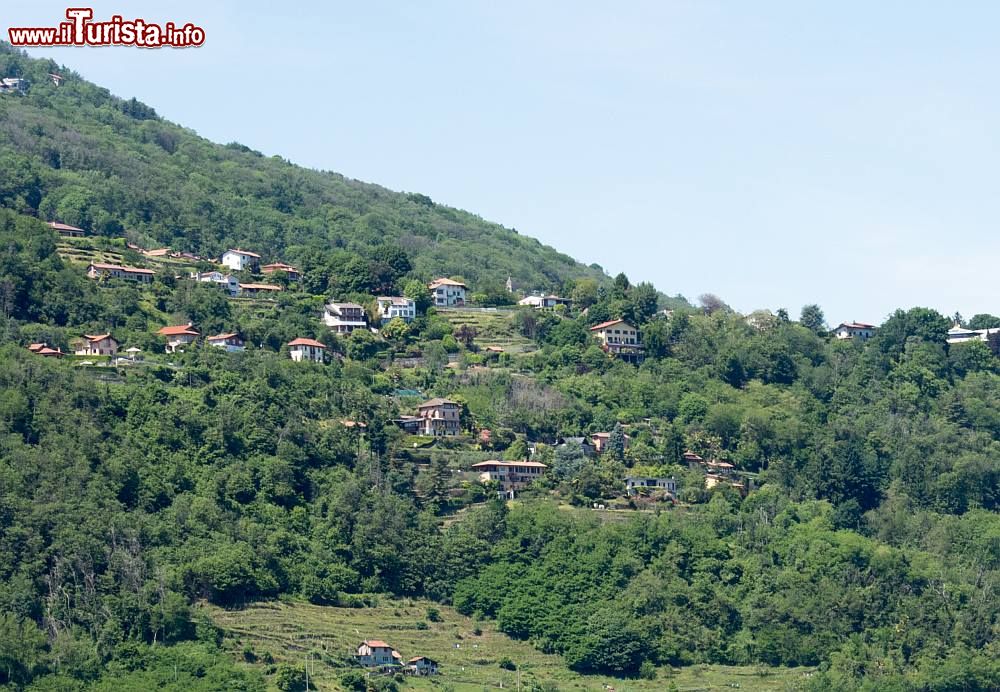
242 252
178 330
301 341
437 402
530 464
64 227
609 323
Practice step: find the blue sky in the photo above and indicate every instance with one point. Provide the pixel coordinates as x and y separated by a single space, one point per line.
773 153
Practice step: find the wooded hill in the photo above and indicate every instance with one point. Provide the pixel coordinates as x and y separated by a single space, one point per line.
867 544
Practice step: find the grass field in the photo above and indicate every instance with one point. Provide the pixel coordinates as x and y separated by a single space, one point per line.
493 328
469 652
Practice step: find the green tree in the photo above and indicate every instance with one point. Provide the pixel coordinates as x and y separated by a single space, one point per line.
812 318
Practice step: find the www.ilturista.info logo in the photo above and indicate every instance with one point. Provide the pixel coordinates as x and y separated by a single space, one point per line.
81 31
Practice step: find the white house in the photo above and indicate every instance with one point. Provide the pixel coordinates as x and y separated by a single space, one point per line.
543 302
634 484
374 652
302 349
391 307
855 330
99 345
230 342
344 318
241 260
448 293
960 335
228 282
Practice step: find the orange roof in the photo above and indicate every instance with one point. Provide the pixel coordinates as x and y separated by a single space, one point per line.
277 266
306 342
50 352
221 337
37 347
99 337
376 644
180 329
609 323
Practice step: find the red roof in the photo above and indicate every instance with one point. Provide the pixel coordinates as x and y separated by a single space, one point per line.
610 323
445 282
277 266
857 325
99 337
37 347
180 329
376 644
50 352
306 342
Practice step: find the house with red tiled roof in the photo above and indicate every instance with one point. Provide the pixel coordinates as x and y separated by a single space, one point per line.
97 345
240 260
179 336
303 349
43 349
292 272
376 653
98 270
67 231
619 338
600 441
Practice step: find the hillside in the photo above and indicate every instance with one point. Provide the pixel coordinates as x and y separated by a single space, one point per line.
76 154
197 482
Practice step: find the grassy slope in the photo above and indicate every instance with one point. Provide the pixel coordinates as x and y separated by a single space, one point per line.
291 632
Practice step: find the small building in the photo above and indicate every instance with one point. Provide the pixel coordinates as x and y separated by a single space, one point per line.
375 653
440 417
636 484
179 336
619 338
543 302
67 231
158 252
344 318
510 476
855 330
98 345
241 260
600 441
292 273
391 307
43 349
303 349
252 290
421 665
98 270
448 293
691 459
960 335
230 342
409 424
227 282
14 84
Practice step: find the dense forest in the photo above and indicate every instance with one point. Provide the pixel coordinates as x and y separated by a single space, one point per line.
868 546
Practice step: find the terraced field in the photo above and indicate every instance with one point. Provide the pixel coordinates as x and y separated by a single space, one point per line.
493 327
469 652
